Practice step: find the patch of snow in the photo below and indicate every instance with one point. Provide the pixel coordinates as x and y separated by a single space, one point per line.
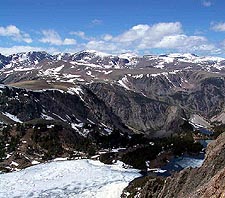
36 62
46 117
198 121
160 66
116 150
107 72
14 164
156 170
23 68
12 117
123 82
155 75
128 56
60 117
8 156
59 56
152 143
57 69
43 90
50 126
97 53
174 72
60 159
8 66
89 73
167 59
138 76
71 76
80 125
34 162
90 121
86 64
76 90
95 157
109 131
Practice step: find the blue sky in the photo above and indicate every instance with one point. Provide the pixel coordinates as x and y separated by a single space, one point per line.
144 26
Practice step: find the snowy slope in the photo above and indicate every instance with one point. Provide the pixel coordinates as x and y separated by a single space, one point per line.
77 179
89 66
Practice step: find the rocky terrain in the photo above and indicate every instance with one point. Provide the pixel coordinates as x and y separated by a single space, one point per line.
149 94
206 181
75 106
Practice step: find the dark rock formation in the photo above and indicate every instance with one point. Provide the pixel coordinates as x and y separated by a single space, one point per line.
138 112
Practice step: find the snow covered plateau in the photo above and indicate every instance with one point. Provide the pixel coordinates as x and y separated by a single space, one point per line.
76 178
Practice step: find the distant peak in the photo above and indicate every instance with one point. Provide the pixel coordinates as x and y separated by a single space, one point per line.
128 55
97 53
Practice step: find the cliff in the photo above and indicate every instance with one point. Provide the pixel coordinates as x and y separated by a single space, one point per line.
204 182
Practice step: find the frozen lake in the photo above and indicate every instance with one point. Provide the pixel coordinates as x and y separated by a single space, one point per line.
179 163
76 178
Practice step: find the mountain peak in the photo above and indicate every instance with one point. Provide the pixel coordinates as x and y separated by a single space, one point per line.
97 53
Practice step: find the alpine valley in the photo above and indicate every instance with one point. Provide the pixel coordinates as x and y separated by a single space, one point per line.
142 111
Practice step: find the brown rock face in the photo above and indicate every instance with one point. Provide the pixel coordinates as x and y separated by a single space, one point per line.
214 188
206 181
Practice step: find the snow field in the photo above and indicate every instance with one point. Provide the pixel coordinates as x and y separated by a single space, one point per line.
76 178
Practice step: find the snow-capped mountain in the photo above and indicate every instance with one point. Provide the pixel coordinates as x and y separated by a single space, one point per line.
188 62
89 65
27 59
126 60
4 60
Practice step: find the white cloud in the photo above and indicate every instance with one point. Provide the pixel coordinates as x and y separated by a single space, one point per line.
78 33
167 36
107 37
180 41
96 22
218 27
69 41
139 38
101 46
53 38
149 34
21 48
15 33
81 35
207 3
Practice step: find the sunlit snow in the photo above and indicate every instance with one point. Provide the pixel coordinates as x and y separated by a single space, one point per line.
77 179
12 117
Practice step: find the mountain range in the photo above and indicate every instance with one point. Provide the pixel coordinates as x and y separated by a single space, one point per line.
151 94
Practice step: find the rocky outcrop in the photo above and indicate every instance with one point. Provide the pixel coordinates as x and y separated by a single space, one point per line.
197 92
68 107
138 112
204 182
